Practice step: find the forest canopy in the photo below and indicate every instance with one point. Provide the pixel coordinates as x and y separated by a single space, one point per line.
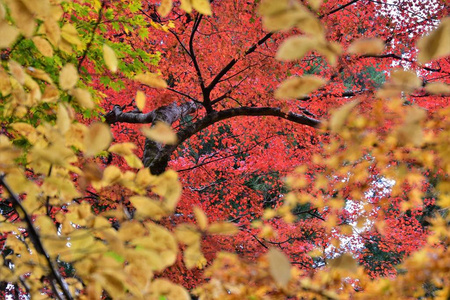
269 149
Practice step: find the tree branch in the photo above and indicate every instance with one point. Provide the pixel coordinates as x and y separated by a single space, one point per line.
232 62
244 111
35 239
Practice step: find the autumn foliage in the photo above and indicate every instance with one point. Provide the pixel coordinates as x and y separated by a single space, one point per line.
268 149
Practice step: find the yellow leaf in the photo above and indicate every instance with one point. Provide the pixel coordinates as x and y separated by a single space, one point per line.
405 80
9 34
140 100
43 46
164 289
315 4
131 229
202 6
51 94
283 20
202 219
438 88
297 87
17 71
345 262
122 149
187 234
39 74
152 80
279 266
112 281
23 18
110 58
97 139
367 46
40 8
160 132
165 8
68 77
436 44
148 208
5 82
339 117
52 30
63 120
223 228
193 256
83 97
133 161
186 5
70 34
295 47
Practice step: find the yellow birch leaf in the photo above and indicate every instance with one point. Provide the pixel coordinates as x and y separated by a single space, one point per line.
202 219
97 139
367 46
112 281
295 47
133 161
63 120
52 30
83 97
41 8
339 117
110 58
39 74
405 80
186 5
187 234
165 8
345 262
23 18
160 132
193 256
436 44
51 94
43 46
438 88
131 229
5 82
144 178
330 50
297 87
70 34
122 149
148 208
315 4
112 175
152 80
164 289
279 266
68 77
140 100
202 6
17 71
9 34
225 228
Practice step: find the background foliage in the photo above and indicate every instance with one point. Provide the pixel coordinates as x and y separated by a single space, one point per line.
354 206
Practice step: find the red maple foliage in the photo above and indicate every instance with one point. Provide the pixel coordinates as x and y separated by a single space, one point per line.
239 142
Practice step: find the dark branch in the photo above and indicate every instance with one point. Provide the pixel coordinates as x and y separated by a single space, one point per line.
35 239
244 111
232 62
89 44
395 56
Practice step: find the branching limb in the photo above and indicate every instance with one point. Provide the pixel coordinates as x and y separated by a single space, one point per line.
35 239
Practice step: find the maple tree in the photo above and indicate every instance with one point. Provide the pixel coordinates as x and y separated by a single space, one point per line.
367 188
